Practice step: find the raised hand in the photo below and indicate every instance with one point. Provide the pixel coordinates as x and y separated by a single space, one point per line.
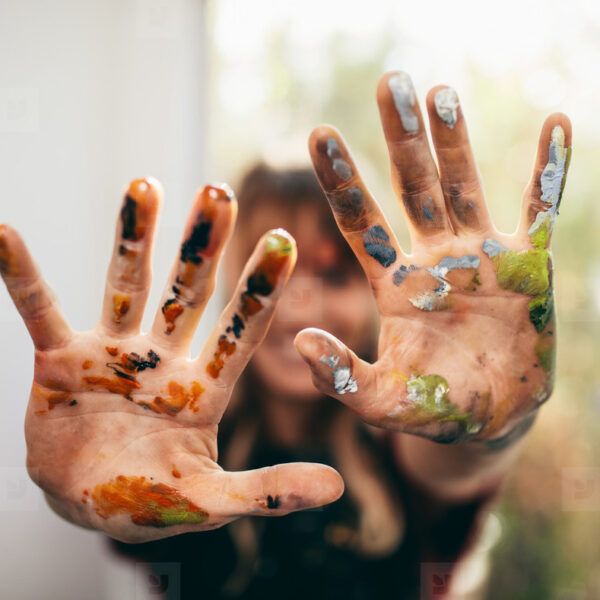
122 426
467 340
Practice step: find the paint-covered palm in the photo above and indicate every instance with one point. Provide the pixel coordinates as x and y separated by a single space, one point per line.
121 426
466 347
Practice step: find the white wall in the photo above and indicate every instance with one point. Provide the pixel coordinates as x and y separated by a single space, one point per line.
92 94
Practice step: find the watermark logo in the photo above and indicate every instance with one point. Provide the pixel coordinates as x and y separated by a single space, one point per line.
19 109
157 580
581 488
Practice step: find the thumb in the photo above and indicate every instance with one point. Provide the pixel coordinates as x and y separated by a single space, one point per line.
336 370
280 489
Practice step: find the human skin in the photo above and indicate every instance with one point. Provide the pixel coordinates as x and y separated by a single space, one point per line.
121 426
467 339
323 291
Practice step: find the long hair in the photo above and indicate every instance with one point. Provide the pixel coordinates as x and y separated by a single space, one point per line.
380 524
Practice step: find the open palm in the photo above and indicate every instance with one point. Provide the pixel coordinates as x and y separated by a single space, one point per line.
466 347
121 426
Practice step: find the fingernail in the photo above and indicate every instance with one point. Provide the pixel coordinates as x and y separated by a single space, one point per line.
446 106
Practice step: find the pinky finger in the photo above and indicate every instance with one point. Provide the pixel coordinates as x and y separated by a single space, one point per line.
544 193
30 293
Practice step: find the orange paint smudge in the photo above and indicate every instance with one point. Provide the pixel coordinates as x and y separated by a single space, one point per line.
136 210
121 306
112 350
87 364
56 398
117 385
224 348
147 503
178 398
171 310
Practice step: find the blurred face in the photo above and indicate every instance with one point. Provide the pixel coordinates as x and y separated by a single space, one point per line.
325 291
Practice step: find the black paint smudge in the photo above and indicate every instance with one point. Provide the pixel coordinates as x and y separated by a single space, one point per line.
129 220
236 327
134 363
258 283
197 241
377 244
349 208
273 502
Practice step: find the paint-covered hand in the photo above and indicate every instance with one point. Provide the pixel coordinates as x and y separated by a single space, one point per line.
466 347
121 426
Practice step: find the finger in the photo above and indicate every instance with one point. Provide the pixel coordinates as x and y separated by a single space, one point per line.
543 195
246 319
129 274
192 278
459 176
336 370
31 295
358 215
279 490
414 174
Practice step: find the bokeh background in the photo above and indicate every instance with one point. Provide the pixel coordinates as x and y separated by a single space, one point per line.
95 93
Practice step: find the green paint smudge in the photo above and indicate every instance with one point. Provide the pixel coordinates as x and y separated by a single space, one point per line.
527 272
430 393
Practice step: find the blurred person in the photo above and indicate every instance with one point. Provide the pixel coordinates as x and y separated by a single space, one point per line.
121 426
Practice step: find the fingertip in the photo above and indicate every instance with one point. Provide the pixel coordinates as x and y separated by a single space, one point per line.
210 223
443 106
311 341
386 83
318 484
398 106
146 191
560 120
334 484
12 247
217 191
280 242
317 140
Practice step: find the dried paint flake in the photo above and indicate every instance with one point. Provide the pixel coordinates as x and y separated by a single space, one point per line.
340 166
401 273
121 306
437 298
405 99
343 381
493 247
552 183
446 106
